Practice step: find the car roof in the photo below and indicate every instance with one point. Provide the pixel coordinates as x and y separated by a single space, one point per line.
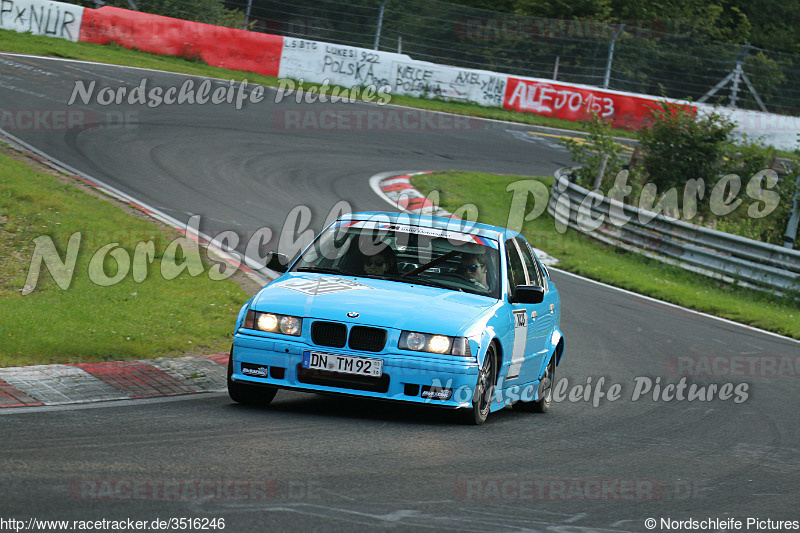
428 221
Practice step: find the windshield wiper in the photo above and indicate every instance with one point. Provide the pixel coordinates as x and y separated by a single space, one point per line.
420 281
319 269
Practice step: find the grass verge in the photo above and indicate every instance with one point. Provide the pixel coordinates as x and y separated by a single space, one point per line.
88 322
582 255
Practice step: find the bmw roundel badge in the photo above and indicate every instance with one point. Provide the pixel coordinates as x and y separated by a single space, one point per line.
352 314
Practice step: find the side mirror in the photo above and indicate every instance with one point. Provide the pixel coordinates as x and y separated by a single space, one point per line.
278 262
527 294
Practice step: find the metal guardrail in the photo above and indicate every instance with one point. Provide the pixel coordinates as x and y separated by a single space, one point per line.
696 248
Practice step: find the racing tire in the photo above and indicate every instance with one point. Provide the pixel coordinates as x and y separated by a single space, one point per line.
255 395
484 390
542 405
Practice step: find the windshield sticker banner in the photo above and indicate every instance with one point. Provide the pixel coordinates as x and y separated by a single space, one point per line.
440 233
417 230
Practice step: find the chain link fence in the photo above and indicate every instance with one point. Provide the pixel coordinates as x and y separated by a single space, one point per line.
652 57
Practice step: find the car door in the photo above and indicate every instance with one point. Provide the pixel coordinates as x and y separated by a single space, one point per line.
544 315
528 343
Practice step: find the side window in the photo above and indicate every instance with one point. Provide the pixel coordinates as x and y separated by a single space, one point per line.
516 272
532 265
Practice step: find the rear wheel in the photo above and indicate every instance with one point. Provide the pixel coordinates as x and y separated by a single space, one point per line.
256 395
542 405
484 390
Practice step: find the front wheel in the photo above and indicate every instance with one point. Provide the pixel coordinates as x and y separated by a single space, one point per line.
542 405
484 390
255 395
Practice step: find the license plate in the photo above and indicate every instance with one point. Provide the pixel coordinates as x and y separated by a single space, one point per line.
344 364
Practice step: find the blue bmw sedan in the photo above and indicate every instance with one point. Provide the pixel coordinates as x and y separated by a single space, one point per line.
409 308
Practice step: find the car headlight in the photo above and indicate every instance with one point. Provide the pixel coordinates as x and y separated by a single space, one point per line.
273 323
426 342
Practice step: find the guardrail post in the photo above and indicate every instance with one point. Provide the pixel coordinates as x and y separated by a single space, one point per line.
790 236
610 60
247 14
380 25
599 179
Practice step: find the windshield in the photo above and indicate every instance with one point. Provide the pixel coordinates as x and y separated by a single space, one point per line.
406 254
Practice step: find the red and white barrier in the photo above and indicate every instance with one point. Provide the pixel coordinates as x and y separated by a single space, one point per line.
216 45
574 102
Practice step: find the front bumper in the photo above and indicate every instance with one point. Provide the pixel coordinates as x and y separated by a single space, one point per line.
415 378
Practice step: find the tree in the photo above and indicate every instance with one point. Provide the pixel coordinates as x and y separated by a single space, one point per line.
768 24
681 145
596 153
207 11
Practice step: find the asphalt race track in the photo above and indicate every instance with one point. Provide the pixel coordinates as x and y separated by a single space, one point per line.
316 463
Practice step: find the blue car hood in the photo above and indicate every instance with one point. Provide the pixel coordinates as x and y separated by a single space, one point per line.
378 302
